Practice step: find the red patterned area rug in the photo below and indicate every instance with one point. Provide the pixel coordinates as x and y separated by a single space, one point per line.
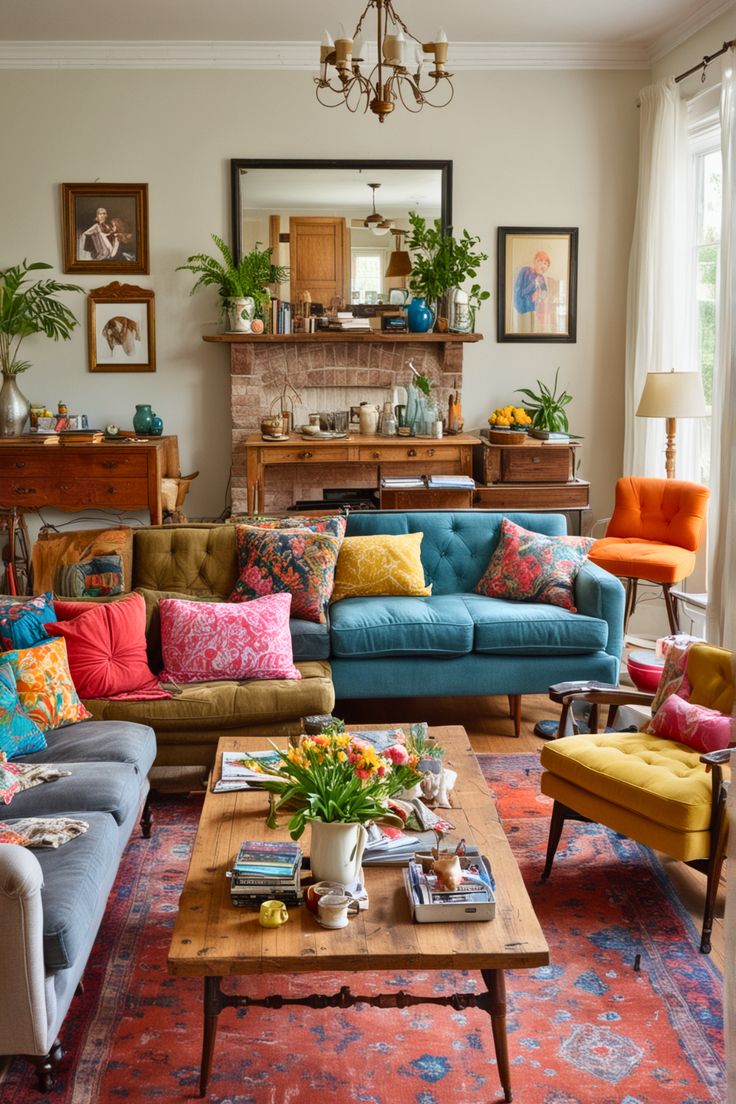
591 1028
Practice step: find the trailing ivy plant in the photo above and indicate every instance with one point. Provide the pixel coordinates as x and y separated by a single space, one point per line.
247 278
441 262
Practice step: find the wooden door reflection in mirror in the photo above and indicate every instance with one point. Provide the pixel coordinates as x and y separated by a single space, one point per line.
319 217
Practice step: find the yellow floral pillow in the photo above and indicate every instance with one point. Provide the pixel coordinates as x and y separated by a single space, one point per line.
45 688
381 564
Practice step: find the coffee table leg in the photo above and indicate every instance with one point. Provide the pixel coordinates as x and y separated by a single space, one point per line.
496 986
212 1008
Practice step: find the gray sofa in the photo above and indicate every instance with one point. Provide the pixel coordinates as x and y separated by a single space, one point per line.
52 901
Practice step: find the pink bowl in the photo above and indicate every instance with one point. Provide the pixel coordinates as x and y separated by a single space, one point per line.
644 670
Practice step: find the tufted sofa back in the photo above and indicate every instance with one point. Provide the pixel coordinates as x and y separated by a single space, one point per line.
710 672
190 559
456 546
670 511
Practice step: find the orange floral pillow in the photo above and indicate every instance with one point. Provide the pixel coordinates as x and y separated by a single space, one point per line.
45 688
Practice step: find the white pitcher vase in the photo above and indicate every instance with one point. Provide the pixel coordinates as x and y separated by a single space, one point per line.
336 851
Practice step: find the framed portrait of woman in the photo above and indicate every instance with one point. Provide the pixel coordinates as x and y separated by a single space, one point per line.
537 283
105 227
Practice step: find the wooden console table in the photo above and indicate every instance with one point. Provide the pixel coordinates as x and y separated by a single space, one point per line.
454 454
116 475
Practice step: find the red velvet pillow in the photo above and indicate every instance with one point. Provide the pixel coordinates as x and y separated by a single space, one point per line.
106 645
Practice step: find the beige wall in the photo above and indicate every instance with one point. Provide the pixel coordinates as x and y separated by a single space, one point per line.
529 148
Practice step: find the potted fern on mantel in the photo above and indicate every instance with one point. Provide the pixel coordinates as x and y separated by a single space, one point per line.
242 286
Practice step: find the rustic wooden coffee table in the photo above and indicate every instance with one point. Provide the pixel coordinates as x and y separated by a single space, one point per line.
214 939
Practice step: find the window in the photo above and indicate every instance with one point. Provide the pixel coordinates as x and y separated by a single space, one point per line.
705 193
367 281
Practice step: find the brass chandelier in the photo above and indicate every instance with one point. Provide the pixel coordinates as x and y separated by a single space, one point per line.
397 75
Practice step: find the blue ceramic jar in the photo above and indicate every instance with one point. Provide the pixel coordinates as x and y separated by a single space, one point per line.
157 426
420 318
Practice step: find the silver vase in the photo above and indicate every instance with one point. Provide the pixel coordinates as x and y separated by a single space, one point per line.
14 408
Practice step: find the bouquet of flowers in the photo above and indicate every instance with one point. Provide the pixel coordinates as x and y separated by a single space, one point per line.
336 776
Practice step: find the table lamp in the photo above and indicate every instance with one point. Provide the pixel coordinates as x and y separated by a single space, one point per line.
672 395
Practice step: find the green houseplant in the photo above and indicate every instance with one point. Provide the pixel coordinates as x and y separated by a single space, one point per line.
546 407
442 262
243 286
27 307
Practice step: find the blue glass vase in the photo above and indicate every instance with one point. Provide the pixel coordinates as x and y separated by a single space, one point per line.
420 318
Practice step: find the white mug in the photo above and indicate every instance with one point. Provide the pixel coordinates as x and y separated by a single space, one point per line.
334 909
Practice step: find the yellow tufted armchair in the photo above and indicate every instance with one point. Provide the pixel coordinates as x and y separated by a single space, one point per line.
654 790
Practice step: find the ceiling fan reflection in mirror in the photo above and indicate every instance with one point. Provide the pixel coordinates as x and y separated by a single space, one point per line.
375 222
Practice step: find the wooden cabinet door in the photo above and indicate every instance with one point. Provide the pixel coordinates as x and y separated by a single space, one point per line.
319 259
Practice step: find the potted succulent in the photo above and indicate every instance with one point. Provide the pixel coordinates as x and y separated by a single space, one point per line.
243 286
546 408
440 263
26 307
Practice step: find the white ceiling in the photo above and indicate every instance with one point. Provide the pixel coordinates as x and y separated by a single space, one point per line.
645 25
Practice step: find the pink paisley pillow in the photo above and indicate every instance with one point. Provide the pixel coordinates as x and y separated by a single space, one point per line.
203 642
694 725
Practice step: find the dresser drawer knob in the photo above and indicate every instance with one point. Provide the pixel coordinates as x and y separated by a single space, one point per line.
305 456
411 452
536 460
376 456
109 463
20 463
24 490
430 452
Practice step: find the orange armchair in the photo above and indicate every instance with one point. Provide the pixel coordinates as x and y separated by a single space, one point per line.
654 534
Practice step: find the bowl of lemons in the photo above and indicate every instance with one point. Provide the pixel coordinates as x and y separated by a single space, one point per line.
508 425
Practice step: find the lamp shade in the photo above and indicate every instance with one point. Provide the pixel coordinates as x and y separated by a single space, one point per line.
399 263
672 395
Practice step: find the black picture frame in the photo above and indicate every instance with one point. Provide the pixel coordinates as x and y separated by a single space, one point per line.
537 277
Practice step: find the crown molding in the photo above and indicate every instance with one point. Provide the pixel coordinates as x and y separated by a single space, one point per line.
471 56
671 39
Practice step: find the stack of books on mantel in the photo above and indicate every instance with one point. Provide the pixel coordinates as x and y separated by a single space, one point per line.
264 871
345 320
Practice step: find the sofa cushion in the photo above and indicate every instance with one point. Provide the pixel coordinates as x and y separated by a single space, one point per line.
526 628
309 640
401 626
18 733
45 688
296 561
106 646
98 741
22 621
202 642
529 567
113 788
196 559
74 877
384 564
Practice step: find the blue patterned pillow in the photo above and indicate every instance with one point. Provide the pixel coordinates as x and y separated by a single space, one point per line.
18 733
22 623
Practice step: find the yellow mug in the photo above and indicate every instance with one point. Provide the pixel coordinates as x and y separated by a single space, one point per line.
273 914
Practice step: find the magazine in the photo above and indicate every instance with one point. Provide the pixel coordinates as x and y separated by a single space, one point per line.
246 770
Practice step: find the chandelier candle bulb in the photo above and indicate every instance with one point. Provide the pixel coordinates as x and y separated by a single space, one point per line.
326 47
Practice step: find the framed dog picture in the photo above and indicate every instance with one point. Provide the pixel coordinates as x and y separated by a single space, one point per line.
105 227
537 283
121 329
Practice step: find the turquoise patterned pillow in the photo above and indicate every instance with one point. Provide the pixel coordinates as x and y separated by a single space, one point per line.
530 567
18 733
22 623
271 561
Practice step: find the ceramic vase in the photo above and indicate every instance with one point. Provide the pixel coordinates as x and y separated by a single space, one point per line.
157 426
240 313
142 419
419 317
336 852
14 407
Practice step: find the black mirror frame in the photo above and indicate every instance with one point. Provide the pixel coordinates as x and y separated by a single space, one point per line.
238 163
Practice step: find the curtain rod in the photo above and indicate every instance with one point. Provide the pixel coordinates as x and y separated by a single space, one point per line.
707 59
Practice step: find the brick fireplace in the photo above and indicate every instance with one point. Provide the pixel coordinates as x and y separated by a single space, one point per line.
333 375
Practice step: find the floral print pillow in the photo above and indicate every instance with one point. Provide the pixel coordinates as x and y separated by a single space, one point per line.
326 523
530 567
297 561
45 688
19 735
22 623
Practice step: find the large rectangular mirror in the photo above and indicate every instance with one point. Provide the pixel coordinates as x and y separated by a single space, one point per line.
339 226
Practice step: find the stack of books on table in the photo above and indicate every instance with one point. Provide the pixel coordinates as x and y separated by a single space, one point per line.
264 871
345 320
445 481
401 482
473 899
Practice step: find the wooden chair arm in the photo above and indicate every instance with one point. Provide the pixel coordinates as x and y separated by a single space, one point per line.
621 696
715 758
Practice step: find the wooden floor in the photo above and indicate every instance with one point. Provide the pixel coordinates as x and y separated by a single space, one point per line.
487 722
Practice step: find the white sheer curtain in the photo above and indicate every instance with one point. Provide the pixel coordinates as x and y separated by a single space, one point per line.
721 612
657 329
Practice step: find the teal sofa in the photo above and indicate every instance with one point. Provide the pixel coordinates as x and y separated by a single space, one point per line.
457 643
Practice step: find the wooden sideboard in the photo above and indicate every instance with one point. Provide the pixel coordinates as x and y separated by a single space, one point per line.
454 454
113 475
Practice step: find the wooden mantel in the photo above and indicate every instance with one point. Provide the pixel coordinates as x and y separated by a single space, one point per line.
335 336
